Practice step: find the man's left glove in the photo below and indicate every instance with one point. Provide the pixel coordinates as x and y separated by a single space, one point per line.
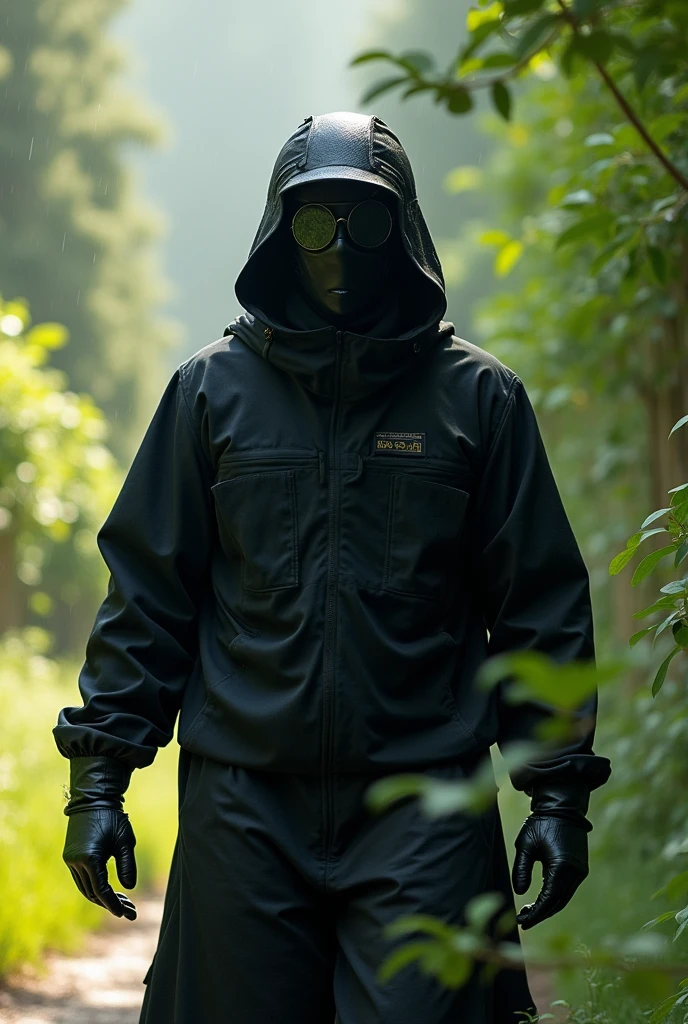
99 829
555 833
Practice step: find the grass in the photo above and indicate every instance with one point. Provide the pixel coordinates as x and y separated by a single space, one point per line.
41 907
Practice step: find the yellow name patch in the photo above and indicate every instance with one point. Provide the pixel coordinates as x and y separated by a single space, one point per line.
399 442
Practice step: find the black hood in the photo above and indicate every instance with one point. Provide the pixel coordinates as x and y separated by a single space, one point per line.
279 325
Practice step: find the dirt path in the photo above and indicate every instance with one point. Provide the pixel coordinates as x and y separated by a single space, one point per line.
542 989
102 986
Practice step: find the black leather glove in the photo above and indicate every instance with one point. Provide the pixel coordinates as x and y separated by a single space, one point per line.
98 829
555 833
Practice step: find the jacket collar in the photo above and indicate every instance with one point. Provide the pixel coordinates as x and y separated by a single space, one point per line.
368 362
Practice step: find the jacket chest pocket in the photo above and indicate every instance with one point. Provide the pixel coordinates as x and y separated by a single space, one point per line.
424 524
257 502
402 530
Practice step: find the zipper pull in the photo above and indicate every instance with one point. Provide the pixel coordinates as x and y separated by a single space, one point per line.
321 466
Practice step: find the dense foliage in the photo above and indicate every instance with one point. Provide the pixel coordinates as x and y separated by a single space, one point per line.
58 479
75 236
588 228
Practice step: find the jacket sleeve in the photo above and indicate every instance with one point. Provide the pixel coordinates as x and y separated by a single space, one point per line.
156 543
534 586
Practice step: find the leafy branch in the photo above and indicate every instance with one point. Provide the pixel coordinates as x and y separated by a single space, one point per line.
529 28
622 102
675 594
450 951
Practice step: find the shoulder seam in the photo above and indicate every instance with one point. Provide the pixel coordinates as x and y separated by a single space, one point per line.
508 406
185 403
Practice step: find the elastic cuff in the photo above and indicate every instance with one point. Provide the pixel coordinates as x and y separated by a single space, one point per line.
563 799
573 819
97 782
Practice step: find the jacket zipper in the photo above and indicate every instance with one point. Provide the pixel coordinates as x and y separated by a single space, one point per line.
328 656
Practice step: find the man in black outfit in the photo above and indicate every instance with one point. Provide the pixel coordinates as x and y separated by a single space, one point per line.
338 512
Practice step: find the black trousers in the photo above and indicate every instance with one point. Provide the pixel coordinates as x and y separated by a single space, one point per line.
269 919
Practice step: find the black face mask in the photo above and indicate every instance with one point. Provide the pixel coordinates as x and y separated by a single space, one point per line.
345 281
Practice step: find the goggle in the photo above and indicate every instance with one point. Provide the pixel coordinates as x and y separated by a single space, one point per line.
369 225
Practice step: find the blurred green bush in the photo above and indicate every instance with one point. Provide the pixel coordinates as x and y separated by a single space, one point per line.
41 907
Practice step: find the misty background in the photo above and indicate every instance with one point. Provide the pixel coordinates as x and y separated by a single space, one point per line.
233 81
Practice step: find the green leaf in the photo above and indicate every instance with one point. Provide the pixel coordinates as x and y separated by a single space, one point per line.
507 257
679 423
368 55
584 8
597 46
568 57
532 675
652 533
674 889
494 237
514 7
585 229
658 263
658 606
401 957
666 124
667 622
662 671
662 1011
580 198
478 36
646 60
682 920
621 560
645 567
481 909
498 60
535 33
640 634
417 60
676 587
380 794
662 204
417 87
668 915
681 554
463 179
491 11
600 139
459 100
455 971
48 335
655 515
501 97
680 511
622 41
425 923
381 86
680 631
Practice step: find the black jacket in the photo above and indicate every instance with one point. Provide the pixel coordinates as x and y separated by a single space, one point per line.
321 528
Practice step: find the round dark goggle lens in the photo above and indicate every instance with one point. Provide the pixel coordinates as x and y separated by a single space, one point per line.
369 224
313 226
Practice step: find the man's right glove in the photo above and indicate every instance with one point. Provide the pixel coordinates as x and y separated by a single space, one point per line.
98 829
555 833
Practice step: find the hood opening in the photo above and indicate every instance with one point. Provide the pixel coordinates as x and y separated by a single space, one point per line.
335 146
